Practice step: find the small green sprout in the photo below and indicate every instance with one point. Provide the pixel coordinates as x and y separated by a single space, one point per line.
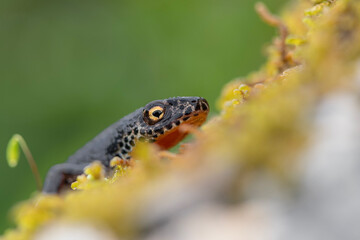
13 152
13 155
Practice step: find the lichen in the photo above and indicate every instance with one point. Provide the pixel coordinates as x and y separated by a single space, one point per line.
264 123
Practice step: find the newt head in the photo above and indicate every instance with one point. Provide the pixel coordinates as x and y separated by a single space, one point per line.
162 119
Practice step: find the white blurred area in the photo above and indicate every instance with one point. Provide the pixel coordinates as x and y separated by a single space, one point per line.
73 231
327 205
213 222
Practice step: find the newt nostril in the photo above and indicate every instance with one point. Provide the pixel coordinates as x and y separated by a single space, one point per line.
204 104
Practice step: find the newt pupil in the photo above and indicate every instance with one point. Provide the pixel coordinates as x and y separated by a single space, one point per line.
157 113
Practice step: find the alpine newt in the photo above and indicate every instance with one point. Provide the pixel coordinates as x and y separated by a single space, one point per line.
157 122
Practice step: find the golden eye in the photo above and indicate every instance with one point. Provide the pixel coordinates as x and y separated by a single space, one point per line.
156 113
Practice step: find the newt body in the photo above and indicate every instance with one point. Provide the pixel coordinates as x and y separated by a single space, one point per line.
157 122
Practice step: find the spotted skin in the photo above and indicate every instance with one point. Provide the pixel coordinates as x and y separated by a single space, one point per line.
157 122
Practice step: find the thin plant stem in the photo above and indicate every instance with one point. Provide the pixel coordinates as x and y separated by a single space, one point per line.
30 160
273 20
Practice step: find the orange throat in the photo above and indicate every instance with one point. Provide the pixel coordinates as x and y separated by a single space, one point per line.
172 137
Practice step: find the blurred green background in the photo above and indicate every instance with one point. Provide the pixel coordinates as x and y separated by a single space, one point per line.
71 68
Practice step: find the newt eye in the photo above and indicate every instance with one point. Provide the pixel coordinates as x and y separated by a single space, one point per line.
154 115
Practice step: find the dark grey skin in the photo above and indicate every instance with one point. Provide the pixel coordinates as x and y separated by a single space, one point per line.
147 123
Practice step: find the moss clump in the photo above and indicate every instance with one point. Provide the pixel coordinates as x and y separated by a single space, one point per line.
264 123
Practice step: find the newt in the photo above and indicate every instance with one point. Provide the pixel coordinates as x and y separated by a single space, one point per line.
158 122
